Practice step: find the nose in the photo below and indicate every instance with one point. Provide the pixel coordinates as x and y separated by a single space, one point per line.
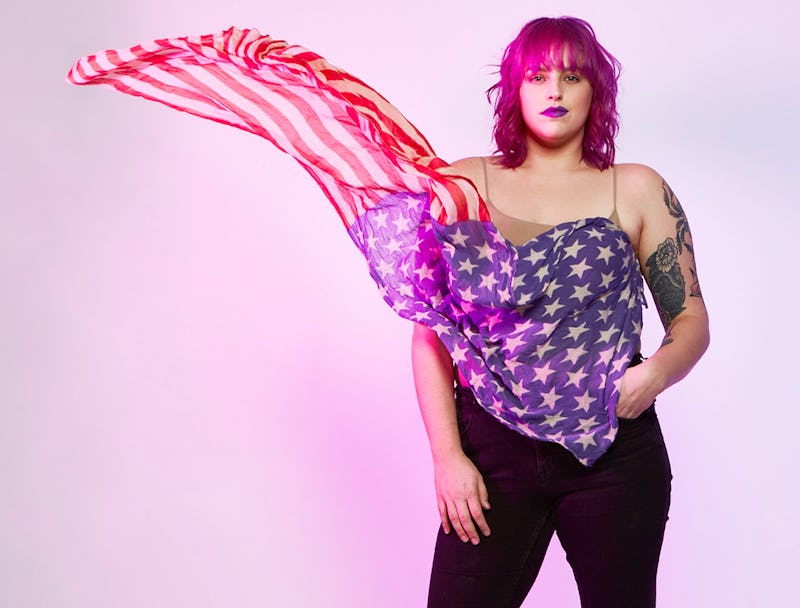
555 93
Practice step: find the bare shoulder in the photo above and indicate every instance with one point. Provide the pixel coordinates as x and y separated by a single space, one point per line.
641 189
638 181
470 167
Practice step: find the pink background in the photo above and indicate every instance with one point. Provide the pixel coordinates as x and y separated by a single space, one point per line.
206 403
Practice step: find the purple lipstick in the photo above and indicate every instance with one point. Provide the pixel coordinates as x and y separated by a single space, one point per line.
555 112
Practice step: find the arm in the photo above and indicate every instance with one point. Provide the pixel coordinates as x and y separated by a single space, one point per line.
460 491
666 256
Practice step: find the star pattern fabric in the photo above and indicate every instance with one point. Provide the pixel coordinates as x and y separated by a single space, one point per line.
543 332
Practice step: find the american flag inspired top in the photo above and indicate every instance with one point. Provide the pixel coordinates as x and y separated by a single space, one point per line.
542 331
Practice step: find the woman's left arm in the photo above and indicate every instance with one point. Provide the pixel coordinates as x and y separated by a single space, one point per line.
666 256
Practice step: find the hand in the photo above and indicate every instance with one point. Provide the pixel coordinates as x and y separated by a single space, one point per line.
637 391
462 497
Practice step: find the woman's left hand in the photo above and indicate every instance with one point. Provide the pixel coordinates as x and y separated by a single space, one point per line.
637 391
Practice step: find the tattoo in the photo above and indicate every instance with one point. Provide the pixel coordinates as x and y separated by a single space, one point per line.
683 236
667 338
666 281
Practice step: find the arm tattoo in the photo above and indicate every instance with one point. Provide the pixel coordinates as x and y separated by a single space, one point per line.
666 281
683 236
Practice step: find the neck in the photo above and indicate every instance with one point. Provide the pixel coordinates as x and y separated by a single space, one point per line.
554 158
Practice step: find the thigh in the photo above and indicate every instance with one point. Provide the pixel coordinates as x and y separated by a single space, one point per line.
612 525
499 571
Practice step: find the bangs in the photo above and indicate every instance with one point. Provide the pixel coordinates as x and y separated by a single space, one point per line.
556 47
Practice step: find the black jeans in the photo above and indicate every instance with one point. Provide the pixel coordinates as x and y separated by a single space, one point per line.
610 517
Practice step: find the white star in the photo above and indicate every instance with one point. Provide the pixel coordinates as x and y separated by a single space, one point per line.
467 294
573 354
605 253
404 267
505 267
440 328
575 332
415 246
518 281
467 266
424 272
543 373
512 364
524 298
543 349
555 305
401 223
476 380
518 411
541 273
578 269
458 354
558 233
605 335
393 245
584 401
595 233
606 281
576 377
534 257
550 397
551 288
512 343
459 238
385 268
518 389
572 250
604 314
581 292
605 356
421 316
586 440
553 419
371 240
524 326
485 251
618 365
621 243
488 281
586 424
406 290
380 219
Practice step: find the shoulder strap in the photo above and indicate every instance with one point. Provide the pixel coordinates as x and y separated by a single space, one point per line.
485 179
614 216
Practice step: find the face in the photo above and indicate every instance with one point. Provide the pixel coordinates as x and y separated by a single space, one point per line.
555 105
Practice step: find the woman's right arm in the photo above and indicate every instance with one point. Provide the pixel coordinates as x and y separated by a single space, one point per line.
460 491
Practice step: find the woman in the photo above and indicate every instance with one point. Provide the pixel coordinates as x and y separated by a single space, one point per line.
536 299
502 494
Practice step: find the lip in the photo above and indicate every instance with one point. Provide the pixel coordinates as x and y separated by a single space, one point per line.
555 112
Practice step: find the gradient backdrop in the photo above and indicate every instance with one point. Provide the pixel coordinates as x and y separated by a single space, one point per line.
206 403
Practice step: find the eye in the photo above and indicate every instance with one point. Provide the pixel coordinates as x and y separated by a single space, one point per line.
572 78
535 77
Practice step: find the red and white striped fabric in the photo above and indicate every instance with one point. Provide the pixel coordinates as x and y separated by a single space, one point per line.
511 316
355 144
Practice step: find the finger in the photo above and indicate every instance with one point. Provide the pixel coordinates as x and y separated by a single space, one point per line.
483 494
455 521
444 517
465 517
477 514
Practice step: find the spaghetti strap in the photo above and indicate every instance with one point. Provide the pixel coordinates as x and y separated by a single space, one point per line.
614 179
614 216
485 180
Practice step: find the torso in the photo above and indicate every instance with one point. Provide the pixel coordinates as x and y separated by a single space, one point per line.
523 204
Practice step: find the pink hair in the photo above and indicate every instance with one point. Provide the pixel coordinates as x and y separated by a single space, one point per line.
543 42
